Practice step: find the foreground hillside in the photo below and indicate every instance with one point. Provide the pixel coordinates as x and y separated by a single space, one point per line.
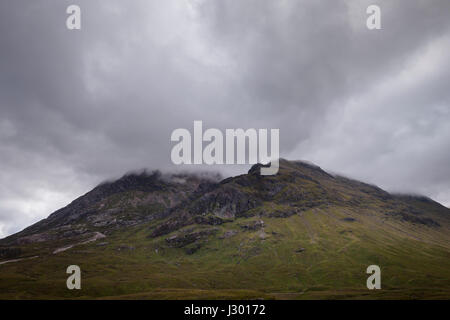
302 234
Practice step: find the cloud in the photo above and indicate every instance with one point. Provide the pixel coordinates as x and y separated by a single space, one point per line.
79 107
395 134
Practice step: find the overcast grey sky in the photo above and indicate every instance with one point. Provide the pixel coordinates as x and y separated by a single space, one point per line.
79 107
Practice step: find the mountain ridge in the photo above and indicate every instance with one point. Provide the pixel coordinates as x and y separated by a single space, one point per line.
300 218
152 181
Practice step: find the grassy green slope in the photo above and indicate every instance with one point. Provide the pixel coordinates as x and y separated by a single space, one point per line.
247 265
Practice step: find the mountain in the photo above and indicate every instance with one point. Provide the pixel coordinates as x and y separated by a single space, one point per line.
301 234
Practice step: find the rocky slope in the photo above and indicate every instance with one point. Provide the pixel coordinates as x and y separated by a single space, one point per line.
302 224
131 200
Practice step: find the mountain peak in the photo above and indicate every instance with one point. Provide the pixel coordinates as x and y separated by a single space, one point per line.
286 164
182 199
192 227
